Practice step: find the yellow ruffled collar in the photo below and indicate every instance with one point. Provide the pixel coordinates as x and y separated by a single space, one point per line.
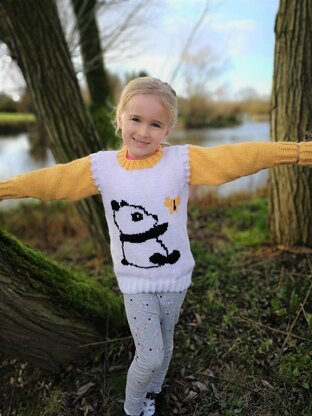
149 162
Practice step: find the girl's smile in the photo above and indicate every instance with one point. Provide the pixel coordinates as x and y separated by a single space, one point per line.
144 125
139 142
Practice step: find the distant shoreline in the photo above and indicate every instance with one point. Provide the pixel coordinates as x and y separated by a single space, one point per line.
15 123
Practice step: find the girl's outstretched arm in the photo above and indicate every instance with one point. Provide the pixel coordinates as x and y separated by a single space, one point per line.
71 181
224 163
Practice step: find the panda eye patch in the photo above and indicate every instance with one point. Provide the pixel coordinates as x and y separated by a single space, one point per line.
137 216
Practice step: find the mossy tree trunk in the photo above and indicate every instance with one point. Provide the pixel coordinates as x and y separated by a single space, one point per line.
32 31
47 312
291 186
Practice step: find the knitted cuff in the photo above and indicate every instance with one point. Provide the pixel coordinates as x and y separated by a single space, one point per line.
288 152
305 153
7 190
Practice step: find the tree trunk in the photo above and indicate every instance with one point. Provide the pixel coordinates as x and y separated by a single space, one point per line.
48 312
91 51
32 31
97 78
291 186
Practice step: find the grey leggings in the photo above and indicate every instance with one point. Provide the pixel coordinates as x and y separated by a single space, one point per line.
152 318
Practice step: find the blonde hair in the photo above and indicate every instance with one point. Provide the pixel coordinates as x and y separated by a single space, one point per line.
153 86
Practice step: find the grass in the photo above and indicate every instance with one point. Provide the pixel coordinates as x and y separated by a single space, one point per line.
243 342
15 123
14 118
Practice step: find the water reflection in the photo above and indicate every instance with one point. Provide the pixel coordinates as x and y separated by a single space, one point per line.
15 156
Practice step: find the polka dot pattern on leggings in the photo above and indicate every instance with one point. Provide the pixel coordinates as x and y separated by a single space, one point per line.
152 318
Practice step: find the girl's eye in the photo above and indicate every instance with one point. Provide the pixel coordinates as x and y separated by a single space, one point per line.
136 119
156 125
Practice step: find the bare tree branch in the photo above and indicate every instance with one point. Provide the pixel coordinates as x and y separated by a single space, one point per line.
189 41
117 33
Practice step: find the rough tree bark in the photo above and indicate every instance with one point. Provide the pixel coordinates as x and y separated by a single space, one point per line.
32 31
48 312
291 186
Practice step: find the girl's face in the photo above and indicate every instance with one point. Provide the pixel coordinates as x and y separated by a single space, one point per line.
144 125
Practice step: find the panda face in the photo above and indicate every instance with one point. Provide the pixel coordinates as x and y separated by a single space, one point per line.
134 219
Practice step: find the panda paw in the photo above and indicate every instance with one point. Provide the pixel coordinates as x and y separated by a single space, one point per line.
160 259
173 257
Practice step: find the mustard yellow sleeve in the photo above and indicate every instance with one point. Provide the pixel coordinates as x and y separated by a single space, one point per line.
71 181
224 163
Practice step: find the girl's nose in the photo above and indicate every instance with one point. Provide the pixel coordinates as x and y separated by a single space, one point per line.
143 130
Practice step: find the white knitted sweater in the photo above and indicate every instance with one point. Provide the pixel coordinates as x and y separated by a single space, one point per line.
145 200
146 212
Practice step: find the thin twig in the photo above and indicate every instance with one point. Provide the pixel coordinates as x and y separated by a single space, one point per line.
123 26
295 250
189 41
258 323
93 344
300 309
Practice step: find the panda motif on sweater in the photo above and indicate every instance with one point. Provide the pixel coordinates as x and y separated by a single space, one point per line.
140 237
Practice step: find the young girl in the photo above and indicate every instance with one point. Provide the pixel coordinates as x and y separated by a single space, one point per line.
145 189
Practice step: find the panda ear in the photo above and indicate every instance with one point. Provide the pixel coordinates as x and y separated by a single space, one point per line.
124 203
115 205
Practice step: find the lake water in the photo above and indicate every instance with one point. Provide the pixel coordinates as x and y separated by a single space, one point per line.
248 131
15 156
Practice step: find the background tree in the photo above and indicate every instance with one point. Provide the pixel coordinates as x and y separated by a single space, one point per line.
91 52
33 33
201 68
100 90
291 186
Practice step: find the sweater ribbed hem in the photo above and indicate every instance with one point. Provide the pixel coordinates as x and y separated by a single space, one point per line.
305 154
132 285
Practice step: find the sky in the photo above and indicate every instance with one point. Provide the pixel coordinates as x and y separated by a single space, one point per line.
237 33
234 44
